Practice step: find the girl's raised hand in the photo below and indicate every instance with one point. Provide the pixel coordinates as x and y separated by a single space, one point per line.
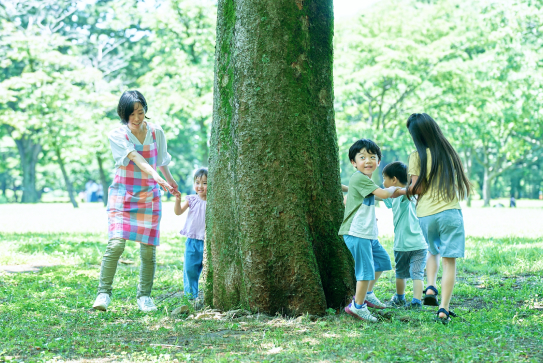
174 186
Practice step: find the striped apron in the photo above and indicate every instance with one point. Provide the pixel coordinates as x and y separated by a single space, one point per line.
134 206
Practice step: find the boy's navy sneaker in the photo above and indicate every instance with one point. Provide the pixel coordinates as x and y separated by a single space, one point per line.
413 306
395 302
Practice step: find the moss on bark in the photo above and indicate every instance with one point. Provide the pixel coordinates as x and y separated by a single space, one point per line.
275 203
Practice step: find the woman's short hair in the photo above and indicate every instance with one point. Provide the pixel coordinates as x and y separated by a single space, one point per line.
127 102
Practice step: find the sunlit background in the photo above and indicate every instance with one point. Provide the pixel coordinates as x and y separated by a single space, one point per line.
474 66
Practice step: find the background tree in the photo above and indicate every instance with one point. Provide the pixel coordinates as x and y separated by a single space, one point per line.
180 79
475 67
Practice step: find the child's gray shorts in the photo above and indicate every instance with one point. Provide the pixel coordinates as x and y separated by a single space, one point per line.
444 233
410 264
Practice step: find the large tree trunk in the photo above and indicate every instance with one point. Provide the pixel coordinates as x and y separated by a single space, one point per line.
29 151
275 201
67 181
103 179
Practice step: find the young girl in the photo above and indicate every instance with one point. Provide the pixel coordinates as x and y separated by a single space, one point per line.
194 230
437 177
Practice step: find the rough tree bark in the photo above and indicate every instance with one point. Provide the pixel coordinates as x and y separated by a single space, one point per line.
29 151
275 203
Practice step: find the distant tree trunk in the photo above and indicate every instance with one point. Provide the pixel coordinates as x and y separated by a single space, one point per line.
487 180
4 186
29 151
275 201
15 197
67 181
103 180
468 162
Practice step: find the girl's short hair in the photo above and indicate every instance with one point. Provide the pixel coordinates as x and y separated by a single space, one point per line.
200 173
127 102
398 170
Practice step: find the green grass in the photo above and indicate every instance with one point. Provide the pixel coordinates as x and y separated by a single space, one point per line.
47 316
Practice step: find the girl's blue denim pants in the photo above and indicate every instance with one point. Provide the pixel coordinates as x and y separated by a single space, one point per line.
192 268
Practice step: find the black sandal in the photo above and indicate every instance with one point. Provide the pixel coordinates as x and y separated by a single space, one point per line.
446 320
430 300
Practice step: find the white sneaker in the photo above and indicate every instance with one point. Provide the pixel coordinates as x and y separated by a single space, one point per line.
373 302
102 302
361 314
145 303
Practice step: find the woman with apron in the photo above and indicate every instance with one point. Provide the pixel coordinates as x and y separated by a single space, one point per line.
134 206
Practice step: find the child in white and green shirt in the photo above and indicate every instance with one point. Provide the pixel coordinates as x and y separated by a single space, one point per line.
359 228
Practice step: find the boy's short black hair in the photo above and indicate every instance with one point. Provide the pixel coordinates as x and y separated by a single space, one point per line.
370 146
396 169
200 173
126 104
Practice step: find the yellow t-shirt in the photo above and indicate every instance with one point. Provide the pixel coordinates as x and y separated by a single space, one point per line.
429 204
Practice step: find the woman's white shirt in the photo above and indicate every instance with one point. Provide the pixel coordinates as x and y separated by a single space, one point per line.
121 147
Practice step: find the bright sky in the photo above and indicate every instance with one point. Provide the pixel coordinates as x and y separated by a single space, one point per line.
348 8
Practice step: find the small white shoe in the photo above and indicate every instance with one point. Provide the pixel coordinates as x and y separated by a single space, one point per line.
102 302
361 314
145 303
373 302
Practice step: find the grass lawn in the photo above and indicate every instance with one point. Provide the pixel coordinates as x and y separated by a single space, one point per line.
46 315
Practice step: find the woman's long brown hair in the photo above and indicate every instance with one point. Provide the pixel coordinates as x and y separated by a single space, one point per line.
446 173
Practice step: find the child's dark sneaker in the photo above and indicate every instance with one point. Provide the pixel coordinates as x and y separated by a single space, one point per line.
413 306
396 302
373 302
361 314
198 304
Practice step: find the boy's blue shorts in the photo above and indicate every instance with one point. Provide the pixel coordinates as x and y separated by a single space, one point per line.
369 257
444 233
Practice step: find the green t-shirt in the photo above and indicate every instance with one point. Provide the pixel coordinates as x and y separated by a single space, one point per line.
359 219
407 233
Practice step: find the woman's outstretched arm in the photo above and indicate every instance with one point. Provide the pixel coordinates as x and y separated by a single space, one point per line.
145 167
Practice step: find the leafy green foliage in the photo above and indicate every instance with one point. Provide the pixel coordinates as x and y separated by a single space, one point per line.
476 68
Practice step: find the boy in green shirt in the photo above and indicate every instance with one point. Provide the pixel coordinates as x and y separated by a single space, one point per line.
359 228
410 248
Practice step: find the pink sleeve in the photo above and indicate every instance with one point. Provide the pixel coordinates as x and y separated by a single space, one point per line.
190 199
